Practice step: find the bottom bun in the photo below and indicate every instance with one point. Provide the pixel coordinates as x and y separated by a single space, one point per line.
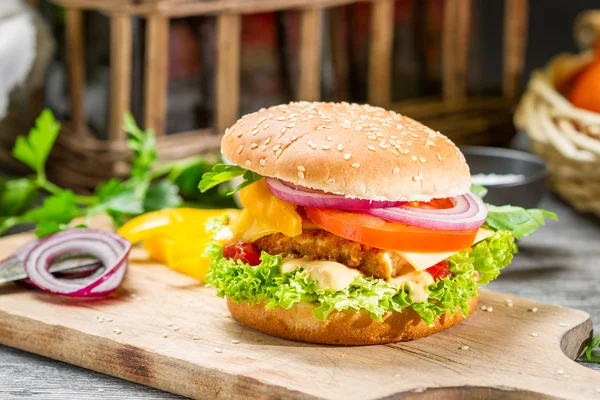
343 327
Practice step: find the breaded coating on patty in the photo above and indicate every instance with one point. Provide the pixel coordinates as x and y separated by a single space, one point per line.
317 244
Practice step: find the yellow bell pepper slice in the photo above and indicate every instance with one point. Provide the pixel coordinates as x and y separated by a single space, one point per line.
175 237
173 222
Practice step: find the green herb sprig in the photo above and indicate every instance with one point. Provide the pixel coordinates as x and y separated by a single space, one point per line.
151 185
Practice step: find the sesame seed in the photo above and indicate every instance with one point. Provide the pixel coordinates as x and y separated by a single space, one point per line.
533 334
265 126
263 162
355 165
169 324
330 181
358 128
253 146
117 331
490 309
268 140
414 158
534 309
218 350
409 143
248 163
195 338
439 157
276 147
372 137
326 147
240 134
294 138
330 138
395 170
393 137
562 324
464 347
240 148
290 125
242 122
281 118
560 372
347 156
278 152
301 168
300 174
382 145
340 147
235 341
422 159
309 142
109 320
165 335
313 146
346 126
283 130
176 328
263 148
304 119
254 132
417 178
371 148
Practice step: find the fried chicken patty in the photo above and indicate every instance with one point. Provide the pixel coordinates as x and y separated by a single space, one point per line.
317 244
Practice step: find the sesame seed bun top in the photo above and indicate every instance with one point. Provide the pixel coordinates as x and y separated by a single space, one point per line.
356 150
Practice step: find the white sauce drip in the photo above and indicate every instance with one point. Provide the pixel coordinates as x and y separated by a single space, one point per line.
417 283
336 276
327 274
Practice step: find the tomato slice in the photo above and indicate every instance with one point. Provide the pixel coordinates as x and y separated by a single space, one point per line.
382 234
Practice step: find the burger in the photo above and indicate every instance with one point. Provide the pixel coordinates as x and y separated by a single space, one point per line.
359 226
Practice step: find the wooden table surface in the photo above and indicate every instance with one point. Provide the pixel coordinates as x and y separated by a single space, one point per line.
560 264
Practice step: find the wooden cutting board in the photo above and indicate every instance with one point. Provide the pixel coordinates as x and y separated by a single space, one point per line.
164 330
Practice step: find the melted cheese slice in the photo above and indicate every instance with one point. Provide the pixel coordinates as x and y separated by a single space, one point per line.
423 261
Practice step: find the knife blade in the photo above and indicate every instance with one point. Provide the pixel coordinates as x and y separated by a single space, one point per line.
13 269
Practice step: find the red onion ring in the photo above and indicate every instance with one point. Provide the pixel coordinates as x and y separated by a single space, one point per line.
469 211
319 199
111 249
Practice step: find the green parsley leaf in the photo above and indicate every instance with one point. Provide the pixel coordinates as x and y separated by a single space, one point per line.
143 145
54 214
593 344
162 194
223 173
33 150
517 220
16 196
116 198
479 190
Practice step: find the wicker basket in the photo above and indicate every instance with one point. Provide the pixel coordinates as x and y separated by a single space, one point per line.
567 137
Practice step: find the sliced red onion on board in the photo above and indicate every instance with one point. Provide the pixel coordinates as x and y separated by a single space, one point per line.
111 249
469 211
319 199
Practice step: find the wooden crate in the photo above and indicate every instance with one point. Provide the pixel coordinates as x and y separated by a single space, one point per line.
82 160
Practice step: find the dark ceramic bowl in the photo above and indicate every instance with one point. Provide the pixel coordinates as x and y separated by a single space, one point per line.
526 192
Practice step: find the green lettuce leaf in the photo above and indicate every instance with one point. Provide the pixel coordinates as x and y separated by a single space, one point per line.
243 283
519 221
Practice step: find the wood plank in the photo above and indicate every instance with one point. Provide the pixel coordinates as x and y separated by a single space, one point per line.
156 73
514 46
74 37
120 74
502 359
311 35
227 91
380 53
455 42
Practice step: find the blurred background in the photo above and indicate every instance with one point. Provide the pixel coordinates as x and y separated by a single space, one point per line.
187 69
